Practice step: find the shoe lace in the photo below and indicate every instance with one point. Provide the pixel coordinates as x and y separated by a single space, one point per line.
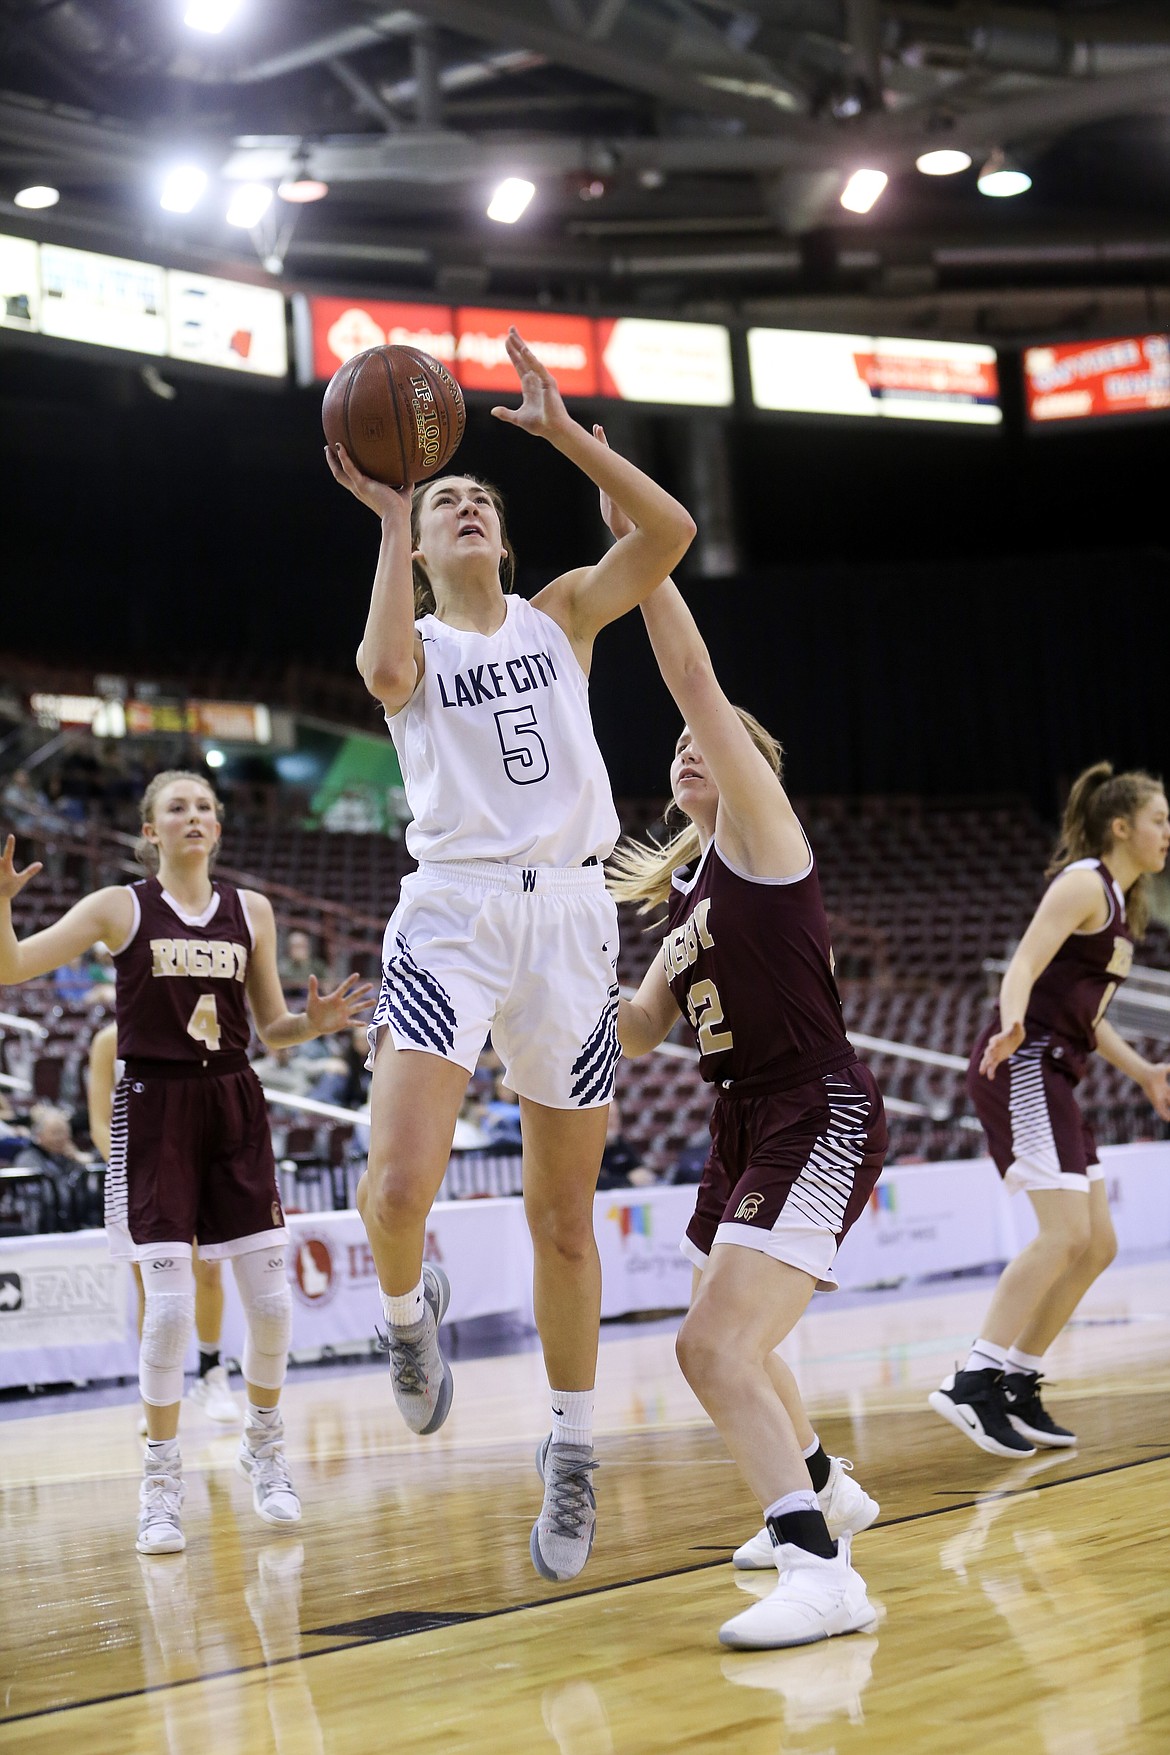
271 1469
570 1492
161 1497
407 1367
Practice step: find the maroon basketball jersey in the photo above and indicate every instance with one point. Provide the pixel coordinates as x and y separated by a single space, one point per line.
181 980
750 964
1069 999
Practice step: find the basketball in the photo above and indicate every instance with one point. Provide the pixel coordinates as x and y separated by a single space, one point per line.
398 412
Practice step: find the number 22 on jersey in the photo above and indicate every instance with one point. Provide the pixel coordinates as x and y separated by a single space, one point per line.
203 1024
705 1010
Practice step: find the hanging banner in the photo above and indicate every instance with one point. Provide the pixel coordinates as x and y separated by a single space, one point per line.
563 343
226 323
20 284
1083 380
810 372
644 360
108 301
339 328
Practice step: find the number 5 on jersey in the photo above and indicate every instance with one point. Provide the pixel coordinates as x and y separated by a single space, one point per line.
203 1023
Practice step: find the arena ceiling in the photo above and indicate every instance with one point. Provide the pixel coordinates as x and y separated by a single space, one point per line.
688 155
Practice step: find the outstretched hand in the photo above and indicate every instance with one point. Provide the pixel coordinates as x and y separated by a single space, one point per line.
1157 1088
346 1006
541 411
375 494
1001 1047
616 521
11 880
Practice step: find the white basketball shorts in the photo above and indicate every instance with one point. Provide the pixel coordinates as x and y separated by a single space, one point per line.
527 953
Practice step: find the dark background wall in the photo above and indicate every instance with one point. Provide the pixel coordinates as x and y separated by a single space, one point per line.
935 611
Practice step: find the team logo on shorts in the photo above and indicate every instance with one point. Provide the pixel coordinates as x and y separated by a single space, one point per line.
314 1279
749 1206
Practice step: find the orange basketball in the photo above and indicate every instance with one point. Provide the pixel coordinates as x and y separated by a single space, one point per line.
398 412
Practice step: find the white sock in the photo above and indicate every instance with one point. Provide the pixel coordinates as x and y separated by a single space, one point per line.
572 1416
403 1312
986 1356
1017 1361
263 1416
793 1502
165 1449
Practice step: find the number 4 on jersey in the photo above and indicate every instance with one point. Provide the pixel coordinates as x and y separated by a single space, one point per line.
203 1023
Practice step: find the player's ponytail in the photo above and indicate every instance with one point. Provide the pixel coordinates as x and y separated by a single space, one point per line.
640 871
424 594
1097 798
146 851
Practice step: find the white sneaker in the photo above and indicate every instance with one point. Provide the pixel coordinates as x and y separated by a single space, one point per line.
815 1599
160 1505
261 1459
562 1536
419 1375
211 1393
845 1505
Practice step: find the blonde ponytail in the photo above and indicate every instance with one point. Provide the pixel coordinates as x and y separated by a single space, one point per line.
1096 799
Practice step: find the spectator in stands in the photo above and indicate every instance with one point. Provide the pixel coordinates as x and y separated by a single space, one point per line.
1051 1016
51 1150
688 1166
25 805
621 1163
499 1117
798 1125
73 982
299 962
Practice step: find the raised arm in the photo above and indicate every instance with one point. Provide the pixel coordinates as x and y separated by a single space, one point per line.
660 529
324 1013
390 657
106 914
1072 904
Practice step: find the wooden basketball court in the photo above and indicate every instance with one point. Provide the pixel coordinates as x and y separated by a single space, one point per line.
1023 1606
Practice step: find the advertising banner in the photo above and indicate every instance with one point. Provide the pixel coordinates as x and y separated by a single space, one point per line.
226 323
108 301
1083 380
810 372
562 342
20 284
643 360
339 328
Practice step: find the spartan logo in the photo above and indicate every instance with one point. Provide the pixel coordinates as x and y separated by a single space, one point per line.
749 1206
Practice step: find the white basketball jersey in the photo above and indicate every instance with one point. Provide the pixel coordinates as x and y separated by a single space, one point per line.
497 748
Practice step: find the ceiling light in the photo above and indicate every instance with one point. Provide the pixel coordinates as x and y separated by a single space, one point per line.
944 161
215 758
210 16
300 190
37 195
182 187
1002 176
862 190
510 199
249 204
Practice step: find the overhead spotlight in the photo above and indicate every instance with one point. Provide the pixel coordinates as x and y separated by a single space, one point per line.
944 161
249 204
183 186
215 758
210 16
301 190
592 188
862 190
1002 176
510 199
37 195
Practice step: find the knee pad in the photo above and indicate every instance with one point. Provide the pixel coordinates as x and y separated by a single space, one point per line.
262 1282
167 1326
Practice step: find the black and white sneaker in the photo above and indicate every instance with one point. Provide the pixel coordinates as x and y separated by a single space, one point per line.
1029 1416
973 1403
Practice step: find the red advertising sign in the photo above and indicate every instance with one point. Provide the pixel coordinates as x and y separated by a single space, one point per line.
343 327
564 343
1079 380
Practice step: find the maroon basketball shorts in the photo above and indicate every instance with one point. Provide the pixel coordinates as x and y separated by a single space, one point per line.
1035 1130
190 1156
788 1173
